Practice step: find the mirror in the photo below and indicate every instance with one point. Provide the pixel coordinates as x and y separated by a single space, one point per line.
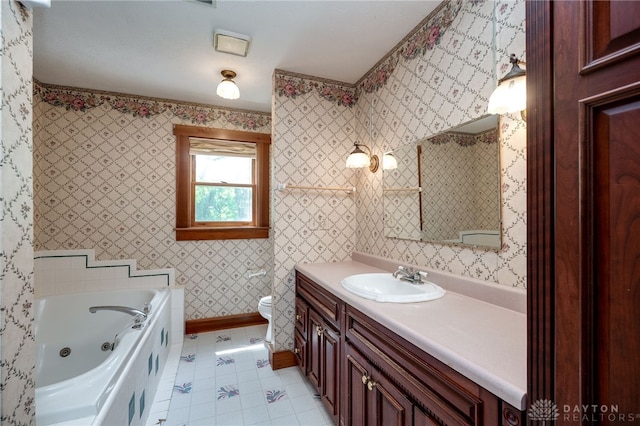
446 188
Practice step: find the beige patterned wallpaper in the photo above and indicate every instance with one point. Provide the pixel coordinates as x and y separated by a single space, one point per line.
104 178
448 84
312 136
402 217
439 77
17 348
461 190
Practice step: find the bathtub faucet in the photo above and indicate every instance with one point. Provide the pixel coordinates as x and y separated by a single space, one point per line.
137 313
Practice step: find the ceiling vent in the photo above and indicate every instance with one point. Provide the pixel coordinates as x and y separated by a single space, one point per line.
211 3
233 43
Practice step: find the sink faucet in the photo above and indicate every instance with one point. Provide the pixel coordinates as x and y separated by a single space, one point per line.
409 274
139 315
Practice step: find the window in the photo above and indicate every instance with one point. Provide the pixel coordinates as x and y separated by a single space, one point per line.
222 184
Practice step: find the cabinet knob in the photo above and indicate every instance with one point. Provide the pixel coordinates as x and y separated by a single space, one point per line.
371 384
365 379
297 316
319 330
296 351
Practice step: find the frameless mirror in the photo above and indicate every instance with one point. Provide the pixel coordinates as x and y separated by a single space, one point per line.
446 188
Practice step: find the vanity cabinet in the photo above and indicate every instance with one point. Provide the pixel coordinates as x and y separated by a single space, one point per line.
367 374
318 324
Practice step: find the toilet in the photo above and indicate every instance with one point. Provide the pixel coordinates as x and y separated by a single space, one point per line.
264 307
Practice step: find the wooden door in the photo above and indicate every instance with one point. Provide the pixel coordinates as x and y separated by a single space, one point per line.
583 71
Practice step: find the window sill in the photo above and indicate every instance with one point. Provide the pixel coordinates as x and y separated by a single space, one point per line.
231 233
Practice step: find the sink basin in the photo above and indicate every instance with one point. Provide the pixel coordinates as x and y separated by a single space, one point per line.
384 287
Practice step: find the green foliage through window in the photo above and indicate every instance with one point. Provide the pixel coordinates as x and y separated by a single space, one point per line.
223 204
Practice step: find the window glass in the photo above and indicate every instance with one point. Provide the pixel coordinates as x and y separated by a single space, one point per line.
223 169
223 204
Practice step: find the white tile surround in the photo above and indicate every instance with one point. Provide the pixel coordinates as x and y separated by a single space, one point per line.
70 271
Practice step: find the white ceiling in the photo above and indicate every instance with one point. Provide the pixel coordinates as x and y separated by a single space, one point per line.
164 49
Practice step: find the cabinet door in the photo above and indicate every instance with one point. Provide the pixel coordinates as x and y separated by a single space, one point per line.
356 376
371 398
314 346
329 368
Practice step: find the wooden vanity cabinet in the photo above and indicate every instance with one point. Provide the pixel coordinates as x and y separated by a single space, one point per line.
368 375
318 324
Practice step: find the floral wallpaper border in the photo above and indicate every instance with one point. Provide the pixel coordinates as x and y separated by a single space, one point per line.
74 99
425 37
465 139
293 85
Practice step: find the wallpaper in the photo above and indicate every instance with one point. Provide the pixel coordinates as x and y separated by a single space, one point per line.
400 198
438 77
104 179
461 189
443 87
312 137
17 348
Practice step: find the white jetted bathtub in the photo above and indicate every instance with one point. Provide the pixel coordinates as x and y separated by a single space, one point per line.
99 366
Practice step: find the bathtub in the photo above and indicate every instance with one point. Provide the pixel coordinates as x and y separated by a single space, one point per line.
86 361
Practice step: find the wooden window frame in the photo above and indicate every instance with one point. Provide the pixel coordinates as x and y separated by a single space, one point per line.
186 229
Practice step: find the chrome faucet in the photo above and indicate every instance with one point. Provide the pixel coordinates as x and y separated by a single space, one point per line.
139 315
409 274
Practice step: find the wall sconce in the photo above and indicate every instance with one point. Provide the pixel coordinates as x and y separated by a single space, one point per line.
389 162
227 88
359 159
511 93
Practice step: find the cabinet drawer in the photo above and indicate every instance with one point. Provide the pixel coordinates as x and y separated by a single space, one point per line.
438 390
301 318
300 351
325 303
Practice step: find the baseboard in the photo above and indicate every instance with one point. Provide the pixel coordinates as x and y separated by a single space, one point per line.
221 323
282 359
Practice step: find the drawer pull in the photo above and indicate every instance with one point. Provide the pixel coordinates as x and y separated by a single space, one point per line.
371 384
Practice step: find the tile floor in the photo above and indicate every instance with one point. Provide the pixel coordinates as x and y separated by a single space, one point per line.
224 378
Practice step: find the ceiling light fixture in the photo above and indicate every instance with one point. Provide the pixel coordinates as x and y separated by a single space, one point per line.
511 94
227 88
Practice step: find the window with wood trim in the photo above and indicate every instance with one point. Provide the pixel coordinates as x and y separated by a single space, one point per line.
222 184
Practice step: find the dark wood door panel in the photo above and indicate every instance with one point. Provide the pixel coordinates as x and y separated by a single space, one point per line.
356 369
583 70
616 165
612 31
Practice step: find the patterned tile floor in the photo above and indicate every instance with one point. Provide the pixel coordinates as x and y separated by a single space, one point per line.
224 378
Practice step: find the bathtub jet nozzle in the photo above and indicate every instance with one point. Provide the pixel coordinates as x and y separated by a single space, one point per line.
137 313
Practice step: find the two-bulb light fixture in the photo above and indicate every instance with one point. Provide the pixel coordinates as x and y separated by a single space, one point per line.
511 94
359 159
227 88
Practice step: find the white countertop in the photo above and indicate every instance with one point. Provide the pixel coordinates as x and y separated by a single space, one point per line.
485 342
